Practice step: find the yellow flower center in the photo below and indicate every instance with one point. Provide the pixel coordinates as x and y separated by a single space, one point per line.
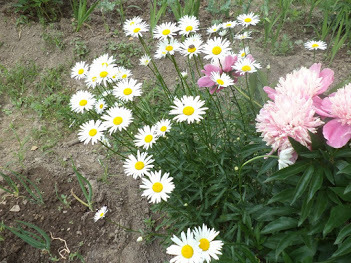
117 120
148 138
81 71
188 28
169 48
92 132
157 187
216 50
166 32
127 91
93 79
187 251
188 110
102 214
163 129
124 76
215 29
101 106
248 20
136 30
204 244
104 64
83 102
229 24
220 82
243 54
103 74
315 45
192 50
246 68
132 23
139 165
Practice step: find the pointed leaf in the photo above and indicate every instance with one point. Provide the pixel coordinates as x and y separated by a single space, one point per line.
285 173
344 248
316 182
338 216
303 183
283 196
298 147
286 241
344 232
279 224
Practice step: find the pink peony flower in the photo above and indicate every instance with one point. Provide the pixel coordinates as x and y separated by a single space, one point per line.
303 82
337 106
287 116
219 65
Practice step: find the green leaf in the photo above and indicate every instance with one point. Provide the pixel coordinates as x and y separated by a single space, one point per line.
305 211
338 216
303 183
340 191
298 147
347 189
283 196
344 248
317 140
345 170
279 224
288 171
275 211
344 232
321 204
286 241
316 183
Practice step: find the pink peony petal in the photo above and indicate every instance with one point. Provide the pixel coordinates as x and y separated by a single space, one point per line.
205 82
209 68
316 67
337 135
229 61
322 110
327 76
270 92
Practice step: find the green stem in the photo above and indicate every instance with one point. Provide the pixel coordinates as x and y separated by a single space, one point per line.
245 96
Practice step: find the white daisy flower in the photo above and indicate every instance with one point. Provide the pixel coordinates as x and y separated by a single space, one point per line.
186 249
222 80
314 45
166 47
123 73
157 187
127 89
107 92
217 47
213 29
229 24
248 19
82 101
190 47
244 52
80 70
104 73
133 21
285 157
165 30
188 24
163 126
91 79
136 29
210 248
100 213
246 65
184 74
188 109
91 130
144 60
195 38
104 61
245 35
138 166
100 105
117 118
222 33
146 137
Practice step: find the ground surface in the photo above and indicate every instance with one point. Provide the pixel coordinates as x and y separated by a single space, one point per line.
102 241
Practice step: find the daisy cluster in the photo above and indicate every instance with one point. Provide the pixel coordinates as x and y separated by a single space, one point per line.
215 49
196 246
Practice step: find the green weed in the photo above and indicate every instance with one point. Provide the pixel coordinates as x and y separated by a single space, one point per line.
125 51
80 49
54 39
